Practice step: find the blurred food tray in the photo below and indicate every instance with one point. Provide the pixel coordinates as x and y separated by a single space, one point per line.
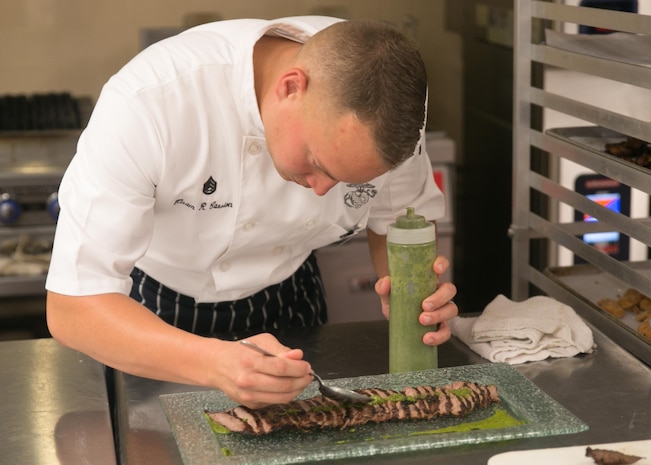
620 46
590 284
594 139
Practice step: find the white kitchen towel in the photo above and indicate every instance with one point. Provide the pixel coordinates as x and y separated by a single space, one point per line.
519 332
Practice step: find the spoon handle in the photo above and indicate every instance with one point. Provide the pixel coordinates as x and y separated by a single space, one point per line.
257 348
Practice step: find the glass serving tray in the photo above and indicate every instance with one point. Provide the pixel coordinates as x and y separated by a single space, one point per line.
198 444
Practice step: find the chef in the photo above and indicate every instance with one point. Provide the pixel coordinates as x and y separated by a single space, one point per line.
214 163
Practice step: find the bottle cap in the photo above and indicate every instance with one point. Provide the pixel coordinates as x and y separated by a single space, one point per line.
411 229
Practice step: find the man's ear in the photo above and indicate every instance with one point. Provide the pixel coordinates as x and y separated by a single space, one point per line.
292 83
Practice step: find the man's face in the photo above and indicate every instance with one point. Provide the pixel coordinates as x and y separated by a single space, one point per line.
317 150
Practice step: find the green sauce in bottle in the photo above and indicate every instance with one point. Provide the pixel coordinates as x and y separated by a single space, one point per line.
411 250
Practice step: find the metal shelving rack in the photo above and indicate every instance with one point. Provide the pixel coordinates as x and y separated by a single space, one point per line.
529 225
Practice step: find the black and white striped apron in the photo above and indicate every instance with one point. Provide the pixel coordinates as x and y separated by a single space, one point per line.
297 301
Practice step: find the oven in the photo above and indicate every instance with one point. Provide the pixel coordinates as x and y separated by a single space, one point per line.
28 213
33 159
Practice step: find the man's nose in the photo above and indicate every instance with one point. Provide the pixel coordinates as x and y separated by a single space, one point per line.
321 184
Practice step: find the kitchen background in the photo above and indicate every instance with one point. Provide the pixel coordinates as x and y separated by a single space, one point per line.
74 46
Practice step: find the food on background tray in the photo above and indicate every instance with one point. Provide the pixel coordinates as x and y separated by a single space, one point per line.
645 329
631 301
457 399
611 306
610 457
633 150
645 306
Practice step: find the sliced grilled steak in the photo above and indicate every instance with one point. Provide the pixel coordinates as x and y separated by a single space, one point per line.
319 412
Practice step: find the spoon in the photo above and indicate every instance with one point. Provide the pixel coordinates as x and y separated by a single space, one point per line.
333 392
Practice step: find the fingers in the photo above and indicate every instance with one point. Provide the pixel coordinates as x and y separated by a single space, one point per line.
443 295
257 380
288 363
437 316
441 264
256 390
438 337
383 289
437 310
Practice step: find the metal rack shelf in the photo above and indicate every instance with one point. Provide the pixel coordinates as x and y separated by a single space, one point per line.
529 224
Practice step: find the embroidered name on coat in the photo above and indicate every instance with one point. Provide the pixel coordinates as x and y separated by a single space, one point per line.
209 187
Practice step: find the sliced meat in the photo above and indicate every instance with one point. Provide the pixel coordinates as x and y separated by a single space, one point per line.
411 403
610 457
228 421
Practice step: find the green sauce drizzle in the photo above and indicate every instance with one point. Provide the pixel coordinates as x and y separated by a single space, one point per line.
500 419
377 400
290 411
216 427
462 392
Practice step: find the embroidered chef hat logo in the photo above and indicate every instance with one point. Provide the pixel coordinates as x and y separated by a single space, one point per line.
210 186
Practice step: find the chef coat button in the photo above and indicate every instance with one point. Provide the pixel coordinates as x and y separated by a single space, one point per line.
278 250
225 266
254 148
309 224
248 226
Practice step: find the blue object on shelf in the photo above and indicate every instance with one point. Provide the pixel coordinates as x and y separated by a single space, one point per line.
629 6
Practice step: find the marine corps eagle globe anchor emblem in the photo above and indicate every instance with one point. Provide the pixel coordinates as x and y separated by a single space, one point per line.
360 196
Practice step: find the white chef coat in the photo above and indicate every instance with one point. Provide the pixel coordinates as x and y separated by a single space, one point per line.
172 175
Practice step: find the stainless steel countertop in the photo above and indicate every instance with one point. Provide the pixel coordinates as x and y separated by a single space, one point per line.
609 390
54 407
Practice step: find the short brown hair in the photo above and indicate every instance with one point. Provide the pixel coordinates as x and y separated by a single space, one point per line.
374 71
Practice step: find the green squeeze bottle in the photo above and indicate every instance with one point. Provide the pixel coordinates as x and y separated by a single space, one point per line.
411 250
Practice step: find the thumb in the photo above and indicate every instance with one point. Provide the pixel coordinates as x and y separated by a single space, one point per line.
383 289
